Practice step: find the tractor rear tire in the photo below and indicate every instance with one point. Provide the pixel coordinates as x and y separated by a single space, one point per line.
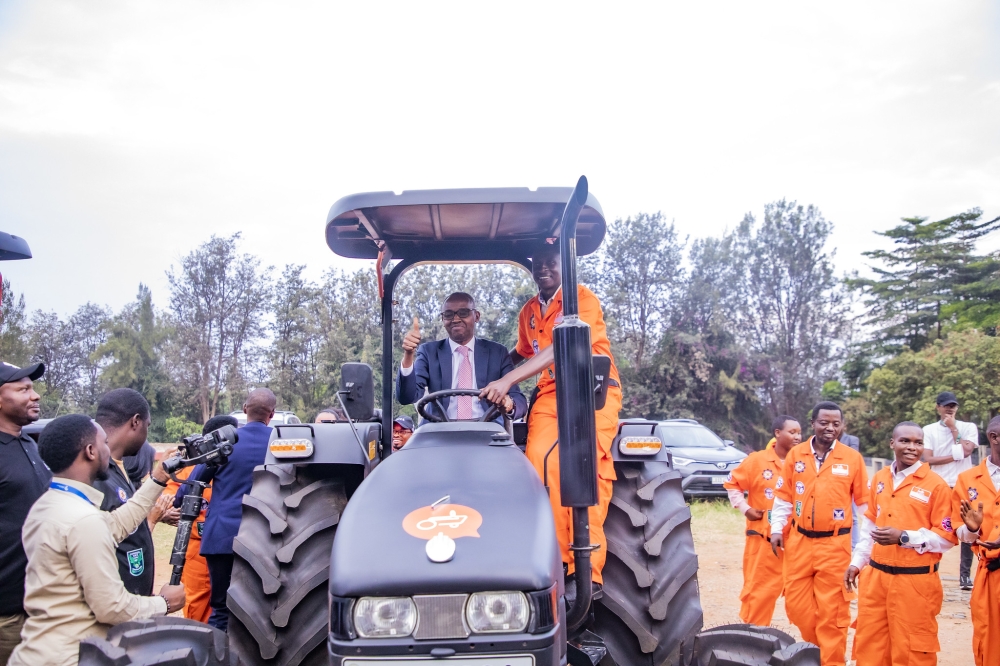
161 641
650 611
278 594
748 645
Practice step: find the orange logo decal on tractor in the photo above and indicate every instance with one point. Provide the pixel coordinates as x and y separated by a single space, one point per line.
453 520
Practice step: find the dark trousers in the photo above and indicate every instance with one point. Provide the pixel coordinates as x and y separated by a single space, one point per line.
965 564
220 570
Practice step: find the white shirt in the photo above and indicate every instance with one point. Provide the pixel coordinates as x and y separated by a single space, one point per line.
939 440
456 359
963 532
922 540
543 304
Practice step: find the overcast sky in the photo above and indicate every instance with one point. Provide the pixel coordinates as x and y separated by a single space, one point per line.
132 131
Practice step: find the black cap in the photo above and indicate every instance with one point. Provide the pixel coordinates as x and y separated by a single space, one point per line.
11 373
404 422
946 398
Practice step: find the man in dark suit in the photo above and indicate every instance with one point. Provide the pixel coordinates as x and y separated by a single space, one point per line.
460 361
231 482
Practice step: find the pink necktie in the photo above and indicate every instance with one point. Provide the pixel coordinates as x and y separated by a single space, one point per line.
464 408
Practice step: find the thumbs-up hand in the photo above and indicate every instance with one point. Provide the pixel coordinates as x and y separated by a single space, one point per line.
410 343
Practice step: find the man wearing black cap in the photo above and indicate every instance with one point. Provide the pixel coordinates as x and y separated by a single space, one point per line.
402 428
23 479
948 445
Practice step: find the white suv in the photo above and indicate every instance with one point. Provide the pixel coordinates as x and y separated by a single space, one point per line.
280 418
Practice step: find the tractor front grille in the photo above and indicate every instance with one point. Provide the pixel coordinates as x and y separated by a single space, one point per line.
440 616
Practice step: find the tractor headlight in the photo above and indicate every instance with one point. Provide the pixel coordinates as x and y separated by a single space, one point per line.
384 617
497 612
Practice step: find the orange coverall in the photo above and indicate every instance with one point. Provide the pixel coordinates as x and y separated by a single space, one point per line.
758 475
976 486
195 576
897 612
818 550
534 333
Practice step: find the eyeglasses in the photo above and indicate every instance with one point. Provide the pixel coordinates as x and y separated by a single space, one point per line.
449 315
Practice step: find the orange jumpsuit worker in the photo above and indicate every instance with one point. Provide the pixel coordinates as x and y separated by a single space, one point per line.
195 575
903 533
820 479
758 475
975 509
534 342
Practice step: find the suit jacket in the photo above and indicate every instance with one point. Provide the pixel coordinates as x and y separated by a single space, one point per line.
432 370
851 441
229 484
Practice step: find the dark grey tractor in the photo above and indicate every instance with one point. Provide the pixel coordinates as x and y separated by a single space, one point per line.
351 555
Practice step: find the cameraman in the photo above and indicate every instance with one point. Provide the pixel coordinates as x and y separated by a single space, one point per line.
231 482
72 587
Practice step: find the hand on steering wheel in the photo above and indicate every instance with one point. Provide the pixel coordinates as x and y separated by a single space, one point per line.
491 414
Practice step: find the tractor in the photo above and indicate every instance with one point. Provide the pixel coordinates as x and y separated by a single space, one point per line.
351 555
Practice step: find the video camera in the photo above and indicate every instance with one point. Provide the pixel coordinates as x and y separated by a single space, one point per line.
212 450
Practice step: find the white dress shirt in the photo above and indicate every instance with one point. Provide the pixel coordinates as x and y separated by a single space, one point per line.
963 532
456 359
939 440
781 510
922 540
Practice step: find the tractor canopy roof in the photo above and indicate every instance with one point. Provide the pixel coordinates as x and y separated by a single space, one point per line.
457 225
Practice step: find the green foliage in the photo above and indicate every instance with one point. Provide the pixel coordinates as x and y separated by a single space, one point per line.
13 327
905 387
178 427
915 292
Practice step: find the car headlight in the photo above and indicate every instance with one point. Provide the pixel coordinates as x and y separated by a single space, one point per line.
681 462
497 612
383 617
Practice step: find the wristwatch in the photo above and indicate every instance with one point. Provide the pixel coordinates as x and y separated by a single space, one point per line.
904 539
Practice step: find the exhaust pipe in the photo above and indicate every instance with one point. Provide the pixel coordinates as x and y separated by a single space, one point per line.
575 406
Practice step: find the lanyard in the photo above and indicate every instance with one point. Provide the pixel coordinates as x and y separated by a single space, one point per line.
69 489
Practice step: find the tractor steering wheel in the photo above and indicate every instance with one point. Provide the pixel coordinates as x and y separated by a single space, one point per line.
491 414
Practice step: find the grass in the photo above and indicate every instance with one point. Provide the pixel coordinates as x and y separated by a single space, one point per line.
715 516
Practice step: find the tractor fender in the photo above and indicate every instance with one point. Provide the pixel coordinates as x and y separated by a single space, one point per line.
334 443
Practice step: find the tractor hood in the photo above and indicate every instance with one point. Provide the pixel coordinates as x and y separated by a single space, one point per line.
487 499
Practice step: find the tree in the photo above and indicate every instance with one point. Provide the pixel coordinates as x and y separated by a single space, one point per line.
88 332
295 360
789 307
51 343
132 355
13 327
905 387
909 297
639 276
218 299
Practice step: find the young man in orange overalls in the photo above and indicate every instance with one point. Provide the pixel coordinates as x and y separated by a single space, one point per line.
903 534
821 477
975 509
534 342
759 475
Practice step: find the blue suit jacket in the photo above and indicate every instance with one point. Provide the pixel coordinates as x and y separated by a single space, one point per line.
432 369
229 484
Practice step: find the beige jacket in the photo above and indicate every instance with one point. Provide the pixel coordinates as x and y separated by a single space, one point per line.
72 588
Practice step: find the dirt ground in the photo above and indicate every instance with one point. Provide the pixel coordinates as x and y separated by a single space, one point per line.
718 539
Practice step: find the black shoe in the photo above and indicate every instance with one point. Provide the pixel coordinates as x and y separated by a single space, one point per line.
964 582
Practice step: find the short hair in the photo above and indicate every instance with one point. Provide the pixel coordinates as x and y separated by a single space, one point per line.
63 439
336 411
546 249
905 424
118 406
994 425
461 296
828 406
260 404
779 422
219 421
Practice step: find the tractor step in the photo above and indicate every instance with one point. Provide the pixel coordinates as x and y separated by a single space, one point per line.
586 649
